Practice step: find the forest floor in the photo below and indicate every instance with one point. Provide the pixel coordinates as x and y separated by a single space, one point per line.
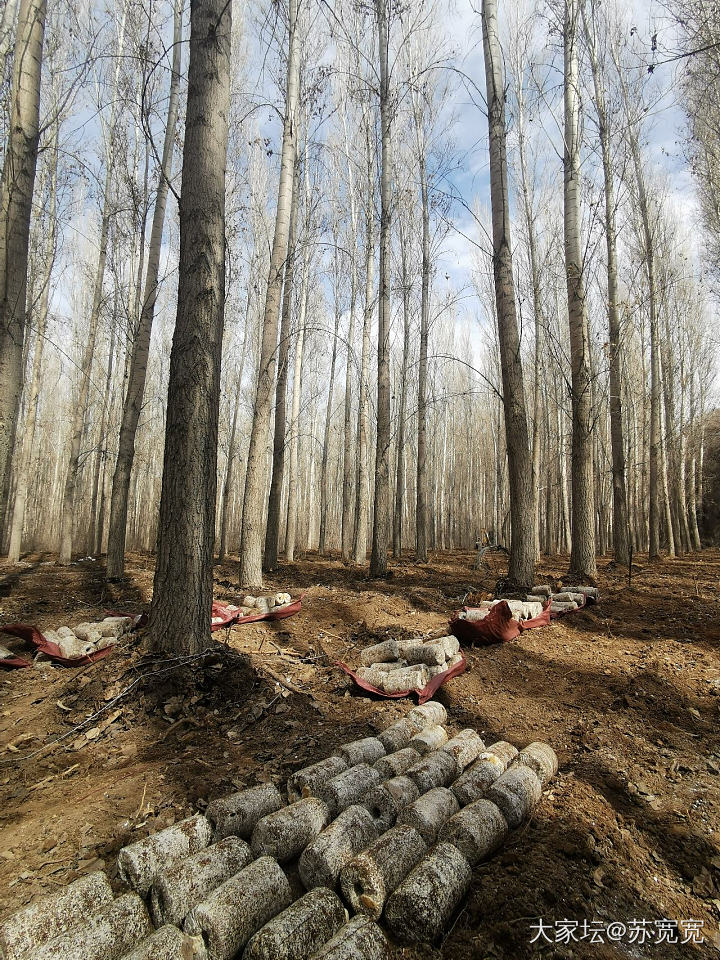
627 692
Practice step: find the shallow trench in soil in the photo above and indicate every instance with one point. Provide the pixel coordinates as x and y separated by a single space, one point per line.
627 692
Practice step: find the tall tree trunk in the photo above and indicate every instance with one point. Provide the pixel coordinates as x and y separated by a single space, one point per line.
400 432
101 452
232 445
16 194
521 569
582 550
291 530
362 505
529 217
381 511
252 536
617 440
422 485
348 466
322 544
272 532
24 469
141 342
182 591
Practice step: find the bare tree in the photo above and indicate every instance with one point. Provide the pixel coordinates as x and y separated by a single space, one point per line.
182 593
16 194
141 342
582 549
617 439
381 512
251 541
521 569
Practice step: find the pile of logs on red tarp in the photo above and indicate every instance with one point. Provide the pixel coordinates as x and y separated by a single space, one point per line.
275 607
383 835
397 668
498 621
70 646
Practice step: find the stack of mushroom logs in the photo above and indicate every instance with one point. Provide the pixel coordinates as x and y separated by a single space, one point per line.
398 665
393 823
570 598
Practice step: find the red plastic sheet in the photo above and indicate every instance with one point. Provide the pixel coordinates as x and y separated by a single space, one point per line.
427 693
497 627
225 615
33 636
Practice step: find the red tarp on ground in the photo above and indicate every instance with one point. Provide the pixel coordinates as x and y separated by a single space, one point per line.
497 627
32 635
51 650
226 614
425 694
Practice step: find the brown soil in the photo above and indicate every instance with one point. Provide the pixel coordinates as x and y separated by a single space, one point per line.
627 692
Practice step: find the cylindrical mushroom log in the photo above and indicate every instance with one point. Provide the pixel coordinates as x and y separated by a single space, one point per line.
472 784
53 915
451 645
360 939
432 654
396 681
237 814
387 799
430 812
591 593
379 653
556 607
388 667
299 930
140 862
107 935
185 885
568 596
169 943
323 859
305 782
349 787
543 589
397 736
431 738
465 747
370 877
427 715
437 769
504 751
476 831
541 758
516 793
424 902
285 833
395 764
239 908
361 751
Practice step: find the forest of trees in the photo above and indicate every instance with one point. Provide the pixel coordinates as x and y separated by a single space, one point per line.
359 277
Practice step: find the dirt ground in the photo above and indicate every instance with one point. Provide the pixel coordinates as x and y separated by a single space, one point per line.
627 692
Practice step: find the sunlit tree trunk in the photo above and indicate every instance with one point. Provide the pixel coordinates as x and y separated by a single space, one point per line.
272 532
381 511
182 592
141 343
582 547
362 504
252 534
33 397
16 195
521 570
